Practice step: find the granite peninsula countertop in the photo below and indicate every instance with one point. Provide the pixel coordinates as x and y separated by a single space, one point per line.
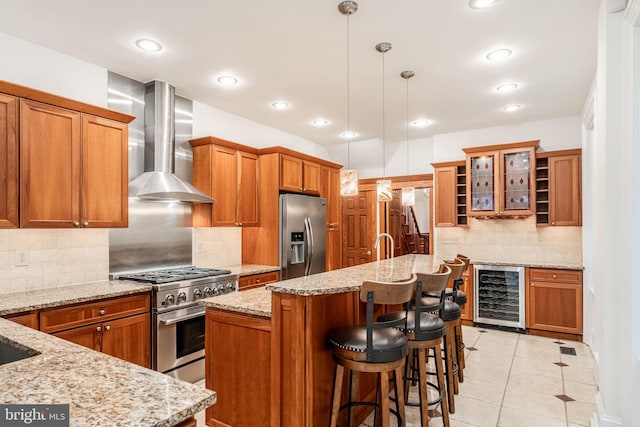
101 390
37 299
255 301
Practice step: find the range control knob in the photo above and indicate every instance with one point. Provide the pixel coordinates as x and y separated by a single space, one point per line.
169 299
208 292
216 291
231 287
182 297
197 293
220 289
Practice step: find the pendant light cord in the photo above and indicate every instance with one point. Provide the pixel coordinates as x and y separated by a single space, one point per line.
348 99
407 127
384 163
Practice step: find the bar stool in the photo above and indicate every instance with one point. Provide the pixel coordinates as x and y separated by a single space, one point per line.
460 298
450 314
425 331
375 347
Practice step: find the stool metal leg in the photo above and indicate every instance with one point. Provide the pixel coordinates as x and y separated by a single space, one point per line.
424 408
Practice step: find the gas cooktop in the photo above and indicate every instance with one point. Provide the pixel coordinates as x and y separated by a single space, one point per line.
173 275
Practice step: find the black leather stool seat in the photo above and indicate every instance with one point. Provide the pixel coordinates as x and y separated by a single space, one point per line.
451 309
389 344
431 326
459 297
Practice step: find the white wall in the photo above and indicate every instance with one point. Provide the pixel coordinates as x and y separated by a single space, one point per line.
614 168
366 157
554 134
209 121
30 65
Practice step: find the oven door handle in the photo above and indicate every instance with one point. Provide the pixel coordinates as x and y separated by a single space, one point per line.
167 322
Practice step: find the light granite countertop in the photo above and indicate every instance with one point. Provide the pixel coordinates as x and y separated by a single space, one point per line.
350 279
532 265
37 299
249 269
255 301
101 390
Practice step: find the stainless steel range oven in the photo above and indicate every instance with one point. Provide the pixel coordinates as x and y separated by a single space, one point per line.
178 319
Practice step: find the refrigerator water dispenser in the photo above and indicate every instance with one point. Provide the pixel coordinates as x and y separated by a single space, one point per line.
297 247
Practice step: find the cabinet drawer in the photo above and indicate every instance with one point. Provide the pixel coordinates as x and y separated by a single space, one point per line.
256 280
551 275
58 319
25 319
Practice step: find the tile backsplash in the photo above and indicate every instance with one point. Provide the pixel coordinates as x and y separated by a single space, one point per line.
217 246
52 258
511 241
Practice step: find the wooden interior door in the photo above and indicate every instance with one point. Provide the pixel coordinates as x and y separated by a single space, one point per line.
358 228
394 220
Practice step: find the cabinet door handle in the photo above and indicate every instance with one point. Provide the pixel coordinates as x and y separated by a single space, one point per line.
76 224
555 277
533 284
553 223
107 327
85 224
368 253
257 280
102 312
239 224
98 329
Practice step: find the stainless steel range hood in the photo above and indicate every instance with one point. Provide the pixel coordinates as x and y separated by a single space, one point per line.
158 182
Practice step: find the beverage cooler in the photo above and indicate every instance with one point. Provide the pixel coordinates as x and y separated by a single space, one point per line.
499 295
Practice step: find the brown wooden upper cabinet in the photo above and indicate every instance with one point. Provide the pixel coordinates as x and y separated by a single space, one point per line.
227 172
450 194
299 175
8 161
558 192
501 180
73 168
63 163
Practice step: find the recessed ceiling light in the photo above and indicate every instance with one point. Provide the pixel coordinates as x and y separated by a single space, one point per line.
227 81
320 122
348 134
499 54
481 4
280 105
421 123
511 108
507 87
148 45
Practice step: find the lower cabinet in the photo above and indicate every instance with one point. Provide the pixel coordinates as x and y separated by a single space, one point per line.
257 280
554 301
238 367
120 327
466 312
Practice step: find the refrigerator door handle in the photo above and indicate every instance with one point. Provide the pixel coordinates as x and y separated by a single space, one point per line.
309 229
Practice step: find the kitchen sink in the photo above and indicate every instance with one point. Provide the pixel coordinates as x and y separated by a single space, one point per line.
12 352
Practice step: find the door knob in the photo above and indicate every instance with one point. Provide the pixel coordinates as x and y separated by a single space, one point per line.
368 253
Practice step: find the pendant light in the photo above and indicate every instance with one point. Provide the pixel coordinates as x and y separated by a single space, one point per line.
348 177
408 195
383 186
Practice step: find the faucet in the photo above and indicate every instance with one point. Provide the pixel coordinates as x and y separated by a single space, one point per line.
375 245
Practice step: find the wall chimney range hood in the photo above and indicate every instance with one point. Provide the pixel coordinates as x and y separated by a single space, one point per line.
158 182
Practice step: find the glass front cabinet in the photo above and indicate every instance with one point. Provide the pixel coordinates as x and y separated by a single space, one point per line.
501 180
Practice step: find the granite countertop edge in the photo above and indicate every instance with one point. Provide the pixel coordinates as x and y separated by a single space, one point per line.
531 264
39 299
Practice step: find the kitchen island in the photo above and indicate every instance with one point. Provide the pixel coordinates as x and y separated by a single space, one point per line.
267 348
101 390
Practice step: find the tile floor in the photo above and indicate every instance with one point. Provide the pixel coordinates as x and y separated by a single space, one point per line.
519 380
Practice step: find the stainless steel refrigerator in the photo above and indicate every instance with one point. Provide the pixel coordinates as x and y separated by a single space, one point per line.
302 235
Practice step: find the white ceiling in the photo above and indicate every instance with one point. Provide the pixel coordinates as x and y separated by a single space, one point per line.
296 51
